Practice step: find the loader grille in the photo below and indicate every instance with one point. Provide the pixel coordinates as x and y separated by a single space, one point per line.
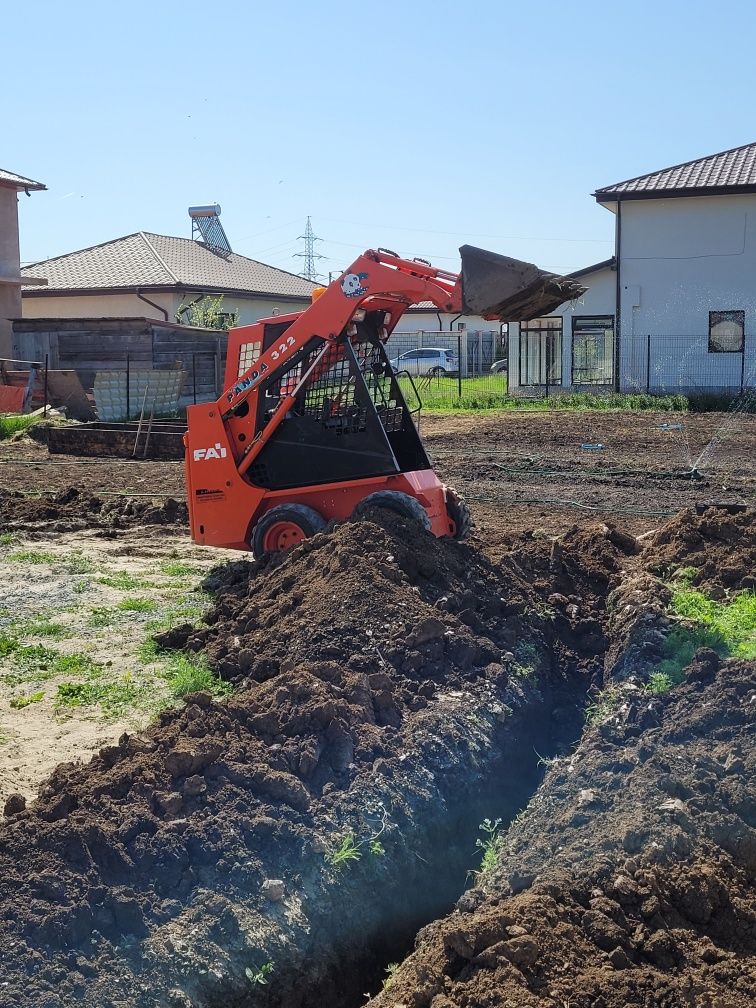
331 395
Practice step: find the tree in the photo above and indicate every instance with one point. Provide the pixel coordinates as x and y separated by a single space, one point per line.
207 313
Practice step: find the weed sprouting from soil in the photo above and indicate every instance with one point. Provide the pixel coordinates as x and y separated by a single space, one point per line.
10 425
40 663
19 702
114 696
7 538
729 628
732 623
125 581
350 847
603 706
72 563
347 850
176 569
259 976
390 972
30 556
489 844
658 683
187 673
39 626
137 604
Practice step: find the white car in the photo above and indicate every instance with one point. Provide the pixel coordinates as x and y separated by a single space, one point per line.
427 361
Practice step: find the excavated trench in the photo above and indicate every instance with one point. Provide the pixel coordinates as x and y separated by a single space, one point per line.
372 922
393 689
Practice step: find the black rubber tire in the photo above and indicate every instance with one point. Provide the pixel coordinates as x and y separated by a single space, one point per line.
437 372
459 512
396 501
306 517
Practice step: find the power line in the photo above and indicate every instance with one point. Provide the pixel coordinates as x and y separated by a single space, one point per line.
309 255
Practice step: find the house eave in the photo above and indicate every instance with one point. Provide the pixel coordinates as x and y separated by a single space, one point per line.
653 194
157 289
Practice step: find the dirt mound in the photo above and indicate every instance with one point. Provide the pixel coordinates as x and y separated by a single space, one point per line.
71 510
629 879
395 690
716 548
388 674
382 595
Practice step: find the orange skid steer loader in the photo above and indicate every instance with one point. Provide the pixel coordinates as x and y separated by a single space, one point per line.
313 424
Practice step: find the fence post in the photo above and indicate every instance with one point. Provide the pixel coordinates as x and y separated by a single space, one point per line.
459 363
549 353
128 387
742 366
47 362
194 378
648 362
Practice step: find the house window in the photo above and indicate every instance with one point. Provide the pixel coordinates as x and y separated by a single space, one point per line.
541 351
726 331
592 349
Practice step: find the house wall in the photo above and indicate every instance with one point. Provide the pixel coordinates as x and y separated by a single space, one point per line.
96 306
130 306
680 259
599 299
10 287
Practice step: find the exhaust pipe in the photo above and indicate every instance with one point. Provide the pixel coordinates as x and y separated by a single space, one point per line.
510 290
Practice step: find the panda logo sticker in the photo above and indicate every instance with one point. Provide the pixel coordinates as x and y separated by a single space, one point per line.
352 286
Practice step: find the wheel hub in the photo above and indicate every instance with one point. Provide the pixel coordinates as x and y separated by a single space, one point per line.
282 536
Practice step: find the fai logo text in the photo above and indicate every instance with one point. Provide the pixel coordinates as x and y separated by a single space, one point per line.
202 454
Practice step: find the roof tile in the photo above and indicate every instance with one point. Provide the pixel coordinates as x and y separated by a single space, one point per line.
152 260
9 178
730 168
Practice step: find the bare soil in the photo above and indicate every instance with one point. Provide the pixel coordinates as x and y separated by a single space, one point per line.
629 880
283 847
520 470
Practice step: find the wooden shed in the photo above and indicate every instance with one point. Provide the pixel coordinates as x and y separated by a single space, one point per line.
89 345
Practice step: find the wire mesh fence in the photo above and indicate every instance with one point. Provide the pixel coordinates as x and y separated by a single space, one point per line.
489 368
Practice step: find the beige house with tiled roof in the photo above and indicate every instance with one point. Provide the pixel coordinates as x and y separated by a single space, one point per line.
151 275
11 185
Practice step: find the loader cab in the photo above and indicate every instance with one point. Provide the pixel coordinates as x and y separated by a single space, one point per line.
349 418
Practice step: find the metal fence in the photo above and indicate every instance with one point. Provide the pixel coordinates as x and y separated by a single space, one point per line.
691 365
446 367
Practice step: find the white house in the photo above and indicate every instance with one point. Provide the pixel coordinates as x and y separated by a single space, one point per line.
675 309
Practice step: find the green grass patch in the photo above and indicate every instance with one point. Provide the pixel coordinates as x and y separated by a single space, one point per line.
7 538
728 627
490 392
137 605
604 705
30 556
41 626
176 569
19 702
125 581
102 616
188 673
40 663
114 696
72 563
11 424
8 644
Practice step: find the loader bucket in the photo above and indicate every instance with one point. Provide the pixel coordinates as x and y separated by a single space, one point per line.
510 290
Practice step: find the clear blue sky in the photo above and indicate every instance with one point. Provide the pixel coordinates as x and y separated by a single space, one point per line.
416 125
